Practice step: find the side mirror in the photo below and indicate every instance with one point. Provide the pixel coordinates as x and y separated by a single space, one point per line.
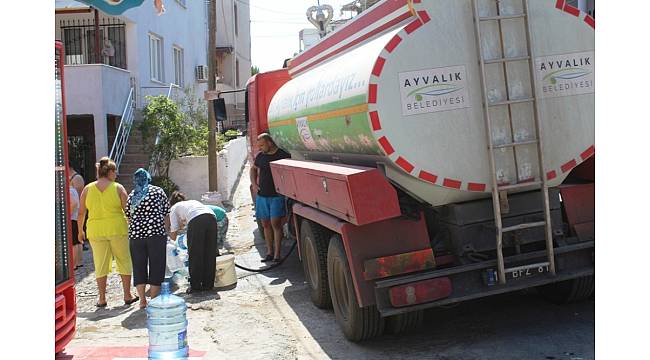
219 105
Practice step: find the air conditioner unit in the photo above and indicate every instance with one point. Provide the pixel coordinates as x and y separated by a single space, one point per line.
201 73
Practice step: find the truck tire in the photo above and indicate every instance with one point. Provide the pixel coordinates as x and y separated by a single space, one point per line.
358 323
313 248
568 291
402 323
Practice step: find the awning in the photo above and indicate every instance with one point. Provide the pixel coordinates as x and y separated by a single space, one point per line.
70 5
111 7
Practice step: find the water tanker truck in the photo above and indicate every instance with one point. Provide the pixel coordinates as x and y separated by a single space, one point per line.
442 151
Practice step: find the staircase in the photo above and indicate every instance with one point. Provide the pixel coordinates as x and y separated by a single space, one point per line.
129 150
135 156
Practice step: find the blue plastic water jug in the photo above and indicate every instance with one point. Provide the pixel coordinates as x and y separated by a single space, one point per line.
167 326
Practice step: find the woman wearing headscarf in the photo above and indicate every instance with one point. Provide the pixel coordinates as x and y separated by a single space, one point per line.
146 208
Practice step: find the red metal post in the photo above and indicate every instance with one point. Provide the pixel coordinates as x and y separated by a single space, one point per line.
65 297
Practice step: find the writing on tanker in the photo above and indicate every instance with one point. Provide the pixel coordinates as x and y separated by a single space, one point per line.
565 75
320 91
431 90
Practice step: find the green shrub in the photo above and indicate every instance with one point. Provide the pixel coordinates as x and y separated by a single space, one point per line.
232 133
181 127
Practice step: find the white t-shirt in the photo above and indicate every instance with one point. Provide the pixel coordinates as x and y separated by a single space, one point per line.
183 212
74 199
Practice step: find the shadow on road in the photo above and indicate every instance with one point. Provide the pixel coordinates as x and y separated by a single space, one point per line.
519 325
135 320
104 313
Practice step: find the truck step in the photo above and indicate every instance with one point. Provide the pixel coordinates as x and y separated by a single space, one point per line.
526 267
520 185
523 226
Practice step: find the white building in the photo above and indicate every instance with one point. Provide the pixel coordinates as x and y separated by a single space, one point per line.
233 55
307 38
145 52
310 36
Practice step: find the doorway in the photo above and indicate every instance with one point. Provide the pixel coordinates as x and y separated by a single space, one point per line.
81 145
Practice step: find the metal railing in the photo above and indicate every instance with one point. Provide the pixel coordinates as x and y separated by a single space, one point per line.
155 91
123 131
80 41
155 157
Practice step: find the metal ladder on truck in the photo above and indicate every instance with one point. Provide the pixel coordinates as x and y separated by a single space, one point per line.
500 192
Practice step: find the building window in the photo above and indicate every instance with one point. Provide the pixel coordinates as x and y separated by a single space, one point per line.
178 66
236 20
72 41
156 58
237 73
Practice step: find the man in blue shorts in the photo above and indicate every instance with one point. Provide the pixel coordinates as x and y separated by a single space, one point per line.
269 205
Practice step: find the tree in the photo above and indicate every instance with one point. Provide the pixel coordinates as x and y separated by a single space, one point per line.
254 70
181 130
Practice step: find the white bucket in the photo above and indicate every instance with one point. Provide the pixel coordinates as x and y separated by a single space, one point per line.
225 274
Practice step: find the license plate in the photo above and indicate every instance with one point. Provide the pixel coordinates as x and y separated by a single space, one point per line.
519 273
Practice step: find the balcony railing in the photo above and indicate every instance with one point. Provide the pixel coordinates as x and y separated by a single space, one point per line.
82 46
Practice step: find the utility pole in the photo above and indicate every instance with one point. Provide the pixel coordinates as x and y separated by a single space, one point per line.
212 85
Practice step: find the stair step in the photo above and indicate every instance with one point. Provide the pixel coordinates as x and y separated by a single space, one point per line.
513 144
502 17
134 163
519 185
135 157
524 226
506 59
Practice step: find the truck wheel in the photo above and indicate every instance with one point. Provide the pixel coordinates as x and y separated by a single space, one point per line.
398 324
357 323
313 248
568 291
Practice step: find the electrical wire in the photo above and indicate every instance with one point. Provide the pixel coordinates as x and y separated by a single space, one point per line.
280 22
274 36
265 9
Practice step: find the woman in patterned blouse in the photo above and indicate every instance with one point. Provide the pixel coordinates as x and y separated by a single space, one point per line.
146 209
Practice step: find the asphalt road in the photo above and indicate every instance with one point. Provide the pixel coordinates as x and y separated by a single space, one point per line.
519 325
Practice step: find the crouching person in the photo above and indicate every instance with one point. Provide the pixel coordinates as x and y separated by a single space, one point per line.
201 227
222 225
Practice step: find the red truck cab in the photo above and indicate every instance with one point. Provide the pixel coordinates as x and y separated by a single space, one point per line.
260 90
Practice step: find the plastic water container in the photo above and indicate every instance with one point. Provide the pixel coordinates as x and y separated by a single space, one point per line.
167 326
182 241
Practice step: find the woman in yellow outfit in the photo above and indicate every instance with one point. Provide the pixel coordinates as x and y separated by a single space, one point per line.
107 229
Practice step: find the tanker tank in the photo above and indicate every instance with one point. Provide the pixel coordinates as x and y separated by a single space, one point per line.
408 96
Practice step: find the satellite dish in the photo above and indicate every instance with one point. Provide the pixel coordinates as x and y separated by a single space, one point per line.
316 16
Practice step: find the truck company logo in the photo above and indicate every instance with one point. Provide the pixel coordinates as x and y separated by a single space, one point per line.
431 90
565 75
305 133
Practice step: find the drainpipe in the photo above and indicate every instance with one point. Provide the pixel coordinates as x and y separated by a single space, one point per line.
97 51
